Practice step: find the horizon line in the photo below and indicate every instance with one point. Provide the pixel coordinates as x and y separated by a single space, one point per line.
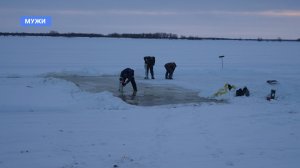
182 37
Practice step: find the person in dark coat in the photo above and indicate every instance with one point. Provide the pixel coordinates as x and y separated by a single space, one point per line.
126 76
149 63
170 68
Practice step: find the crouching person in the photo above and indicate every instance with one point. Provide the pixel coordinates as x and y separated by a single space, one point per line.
126 76
170 68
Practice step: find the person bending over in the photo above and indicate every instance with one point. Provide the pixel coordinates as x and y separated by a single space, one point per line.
126 76
170 68
149 63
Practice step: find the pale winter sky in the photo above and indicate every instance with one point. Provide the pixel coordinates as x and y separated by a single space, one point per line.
205 18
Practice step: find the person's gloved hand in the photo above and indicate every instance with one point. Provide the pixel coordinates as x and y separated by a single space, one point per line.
123 84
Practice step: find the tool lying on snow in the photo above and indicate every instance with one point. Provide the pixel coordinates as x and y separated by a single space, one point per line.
272 82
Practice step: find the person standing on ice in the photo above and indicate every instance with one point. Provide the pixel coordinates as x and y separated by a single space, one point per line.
170 68
149 63
126 76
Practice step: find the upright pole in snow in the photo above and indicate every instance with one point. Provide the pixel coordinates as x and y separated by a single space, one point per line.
222 56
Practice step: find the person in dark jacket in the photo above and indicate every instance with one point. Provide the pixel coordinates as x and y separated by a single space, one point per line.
170 68
149 63
126 76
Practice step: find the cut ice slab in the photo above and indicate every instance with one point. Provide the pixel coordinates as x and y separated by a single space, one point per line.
147 95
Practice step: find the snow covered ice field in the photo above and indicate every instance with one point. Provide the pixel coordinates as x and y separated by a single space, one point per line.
50 122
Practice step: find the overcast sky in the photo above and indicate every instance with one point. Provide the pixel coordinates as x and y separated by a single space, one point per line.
205 18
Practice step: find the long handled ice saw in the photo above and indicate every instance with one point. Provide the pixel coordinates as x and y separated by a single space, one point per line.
121 87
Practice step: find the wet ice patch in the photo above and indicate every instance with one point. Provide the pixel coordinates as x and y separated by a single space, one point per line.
147 95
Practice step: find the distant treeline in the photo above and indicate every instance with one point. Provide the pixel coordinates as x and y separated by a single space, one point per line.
170 36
